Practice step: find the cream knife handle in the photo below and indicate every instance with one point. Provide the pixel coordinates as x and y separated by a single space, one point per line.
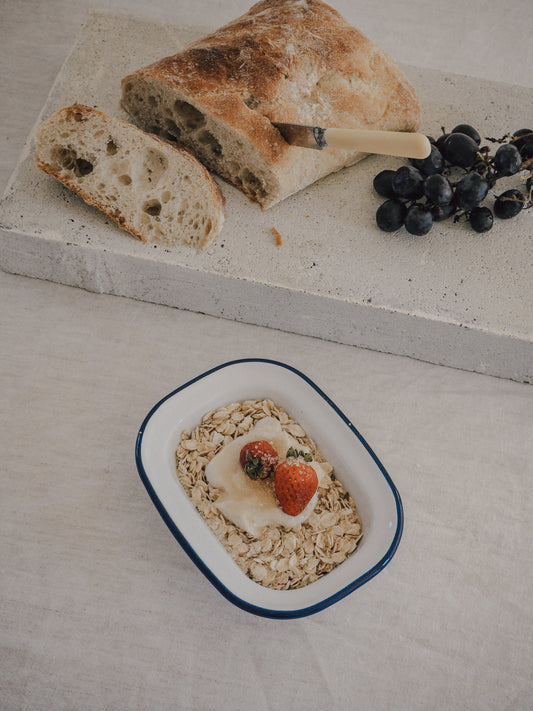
390 143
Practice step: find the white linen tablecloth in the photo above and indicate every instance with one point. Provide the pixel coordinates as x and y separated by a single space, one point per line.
100 608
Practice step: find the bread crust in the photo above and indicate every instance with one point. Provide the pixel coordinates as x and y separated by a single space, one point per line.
296 61
49 138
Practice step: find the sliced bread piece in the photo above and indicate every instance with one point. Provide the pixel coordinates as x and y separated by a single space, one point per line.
155 190
293 61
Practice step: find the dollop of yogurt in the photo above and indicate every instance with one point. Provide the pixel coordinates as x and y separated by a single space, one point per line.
251 505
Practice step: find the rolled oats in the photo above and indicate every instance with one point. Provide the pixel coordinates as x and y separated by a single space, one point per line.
280 558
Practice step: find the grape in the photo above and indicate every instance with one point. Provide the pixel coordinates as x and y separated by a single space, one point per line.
459 149
438 190
408 182
470 191
434 163
442 212
507 160
440 141
390 215
468 131
509 204
383 184
418 220
522 135
481 219
526 149
523 140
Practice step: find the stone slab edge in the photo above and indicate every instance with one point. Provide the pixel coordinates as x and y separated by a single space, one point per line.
416 336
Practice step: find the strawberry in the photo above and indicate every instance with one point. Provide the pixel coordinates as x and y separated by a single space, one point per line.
258 459
295 483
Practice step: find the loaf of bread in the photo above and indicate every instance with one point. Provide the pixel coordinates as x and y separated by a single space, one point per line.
293 61
154 189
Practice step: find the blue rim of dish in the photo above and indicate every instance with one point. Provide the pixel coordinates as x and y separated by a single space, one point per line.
182 540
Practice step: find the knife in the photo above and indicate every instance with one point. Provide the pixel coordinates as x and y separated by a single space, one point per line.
391 143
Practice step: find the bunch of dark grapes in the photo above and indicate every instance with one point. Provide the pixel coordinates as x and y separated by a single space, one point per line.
454 180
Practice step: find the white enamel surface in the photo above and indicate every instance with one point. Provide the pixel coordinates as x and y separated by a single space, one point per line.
353 465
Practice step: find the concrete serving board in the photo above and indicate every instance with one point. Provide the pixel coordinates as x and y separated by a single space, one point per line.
452 297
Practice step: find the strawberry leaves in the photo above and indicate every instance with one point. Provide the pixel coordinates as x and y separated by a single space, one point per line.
293 453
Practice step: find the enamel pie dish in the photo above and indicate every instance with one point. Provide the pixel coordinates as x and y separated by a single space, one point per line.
355 465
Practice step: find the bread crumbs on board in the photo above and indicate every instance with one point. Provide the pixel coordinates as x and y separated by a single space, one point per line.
277 236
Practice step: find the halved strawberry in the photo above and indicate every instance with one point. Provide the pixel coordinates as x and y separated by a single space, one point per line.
258 459
295 483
